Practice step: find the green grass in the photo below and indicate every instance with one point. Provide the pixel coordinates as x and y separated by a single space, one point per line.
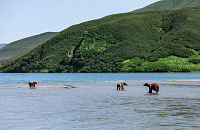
176 64
168 64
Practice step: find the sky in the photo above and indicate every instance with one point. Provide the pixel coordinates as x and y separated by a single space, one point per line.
23 18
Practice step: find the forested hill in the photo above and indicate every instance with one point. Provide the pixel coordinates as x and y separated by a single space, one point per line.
15 48
171 4
153 41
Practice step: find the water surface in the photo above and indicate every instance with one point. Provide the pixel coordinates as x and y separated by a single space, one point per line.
96 104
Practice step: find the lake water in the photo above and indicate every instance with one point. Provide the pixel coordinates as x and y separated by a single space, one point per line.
95 103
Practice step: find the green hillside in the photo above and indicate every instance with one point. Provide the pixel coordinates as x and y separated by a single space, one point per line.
15 48
171 4
153 41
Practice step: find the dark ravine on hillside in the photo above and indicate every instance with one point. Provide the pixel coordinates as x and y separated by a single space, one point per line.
128 42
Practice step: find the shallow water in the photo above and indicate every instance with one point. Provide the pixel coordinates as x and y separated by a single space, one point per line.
96 104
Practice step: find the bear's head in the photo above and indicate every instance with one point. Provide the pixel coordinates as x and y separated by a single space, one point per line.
146 84
35 82
125 83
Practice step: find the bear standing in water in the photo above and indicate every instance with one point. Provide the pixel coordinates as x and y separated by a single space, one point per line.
121 85
32 83
152 86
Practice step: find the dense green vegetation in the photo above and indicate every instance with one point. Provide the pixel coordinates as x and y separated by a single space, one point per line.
169 64
151 41
15 48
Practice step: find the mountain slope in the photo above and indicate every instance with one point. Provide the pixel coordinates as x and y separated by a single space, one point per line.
2 45
170 4
118 43
20 46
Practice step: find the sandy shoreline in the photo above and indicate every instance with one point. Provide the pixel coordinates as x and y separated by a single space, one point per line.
39 86
188 80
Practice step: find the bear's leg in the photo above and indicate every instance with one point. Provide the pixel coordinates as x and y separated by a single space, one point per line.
157 89
118 87
150 90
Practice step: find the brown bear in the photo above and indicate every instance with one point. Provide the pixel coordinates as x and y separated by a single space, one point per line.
121 85
32 83
152 86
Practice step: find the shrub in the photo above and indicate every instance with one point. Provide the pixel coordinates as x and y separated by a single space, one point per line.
195 61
